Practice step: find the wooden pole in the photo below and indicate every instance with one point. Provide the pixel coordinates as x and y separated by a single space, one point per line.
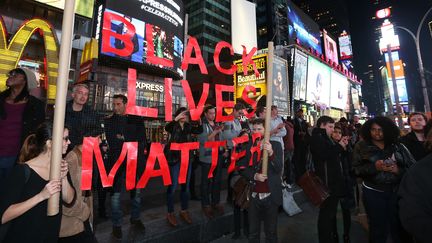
60 102
269 102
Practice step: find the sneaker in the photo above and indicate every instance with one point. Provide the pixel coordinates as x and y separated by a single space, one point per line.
172 219
208 212
184 214
137 223
117 232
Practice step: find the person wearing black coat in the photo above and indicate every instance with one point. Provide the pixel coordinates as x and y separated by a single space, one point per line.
266 190
327 163
415 203
415 140
381 162
20 115
301 138
120 128
180 130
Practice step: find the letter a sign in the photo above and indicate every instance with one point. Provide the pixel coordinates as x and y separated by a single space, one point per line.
10 53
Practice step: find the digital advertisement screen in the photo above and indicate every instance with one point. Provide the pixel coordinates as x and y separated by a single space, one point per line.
318 82
339 90
241 80
302 29
300 75
330 48
280 91
345 47
355 98
134 31
402 90
82 7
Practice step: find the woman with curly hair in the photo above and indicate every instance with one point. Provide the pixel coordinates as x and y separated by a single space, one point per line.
381 161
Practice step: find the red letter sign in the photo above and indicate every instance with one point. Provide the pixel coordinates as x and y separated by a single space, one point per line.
214 145
131 107
220 45
156 152
198 59
234 155
221 104
90 147
252 102
247 59
185 148
125 38
151 58
195 112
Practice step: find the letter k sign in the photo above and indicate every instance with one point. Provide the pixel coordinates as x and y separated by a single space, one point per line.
10 53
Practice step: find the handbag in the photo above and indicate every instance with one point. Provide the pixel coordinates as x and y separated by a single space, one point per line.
289 204
312 185
242 192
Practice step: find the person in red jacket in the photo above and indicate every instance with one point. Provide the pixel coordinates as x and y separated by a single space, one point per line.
289 151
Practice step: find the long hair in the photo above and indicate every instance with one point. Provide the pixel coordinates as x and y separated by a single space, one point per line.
390 131
35 143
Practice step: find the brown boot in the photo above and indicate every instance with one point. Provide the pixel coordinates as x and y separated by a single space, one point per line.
184 214
219 208
172 219
208 212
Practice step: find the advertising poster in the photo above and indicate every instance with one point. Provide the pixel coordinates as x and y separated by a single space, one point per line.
82 7
339 91
280 86
402 90
345 47
241 80
318 83
130 28
300 75
302 29
330 48
355 98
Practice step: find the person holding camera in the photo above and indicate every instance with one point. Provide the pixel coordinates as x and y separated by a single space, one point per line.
381 161
180 130
210 186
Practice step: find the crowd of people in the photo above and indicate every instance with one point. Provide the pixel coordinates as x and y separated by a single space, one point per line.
374 162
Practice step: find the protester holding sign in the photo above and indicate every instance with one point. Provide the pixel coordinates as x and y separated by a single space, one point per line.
266 191
24 193
181 130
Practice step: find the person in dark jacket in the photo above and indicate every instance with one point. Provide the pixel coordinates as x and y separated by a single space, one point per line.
414 140
180 130
301 138
381 162
326 155
79 116
267 190
347 201
120 128
20 114
415 200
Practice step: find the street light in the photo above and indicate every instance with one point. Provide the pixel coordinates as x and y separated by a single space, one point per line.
420 61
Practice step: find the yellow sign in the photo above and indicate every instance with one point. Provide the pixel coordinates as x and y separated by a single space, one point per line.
82 7
241 80
10 53
90 51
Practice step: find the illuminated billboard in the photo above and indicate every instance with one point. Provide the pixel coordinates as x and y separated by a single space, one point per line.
398 69
302 29
82 7
339 90
318 83
135 31
280 91
241 80
401 88
355 98
388 37
243 25
300 75
394 55
330 48
345 47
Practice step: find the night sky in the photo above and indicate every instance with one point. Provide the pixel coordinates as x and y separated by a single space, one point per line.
404 13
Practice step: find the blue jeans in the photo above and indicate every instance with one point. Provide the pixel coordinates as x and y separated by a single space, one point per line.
211 185
6 165
184 194
117 214
382 212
